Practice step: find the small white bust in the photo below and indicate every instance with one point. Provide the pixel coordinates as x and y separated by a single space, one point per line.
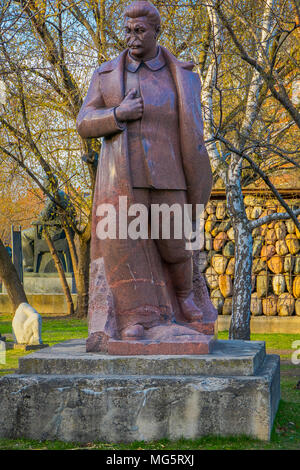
27 325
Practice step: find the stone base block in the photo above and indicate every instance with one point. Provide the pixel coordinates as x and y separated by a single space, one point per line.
65 393
144 347
172 338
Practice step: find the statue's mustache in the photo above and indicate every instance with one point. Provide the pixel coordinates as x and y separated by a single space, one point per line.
134 44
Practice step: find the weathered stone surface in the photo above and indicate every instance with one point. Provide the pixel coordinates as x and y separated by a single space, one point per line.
262 283
211 207
249 200
270 237
69 357
210 222
256 212
289 282
248 211
275 264
217 299
219 263
280 230
227 307
292 243
297 265
228 250
215 230
288 263
296 287
225 225
202 261
208 241
258 265
278 283
256 232
253 282
172 339
290 225
225 285
269 305
27 325
297 307
210 255
212 278
230 234
221 210
281 247
285 304
220 241
122 400
255 304
267 252
257 246
264 229
230 267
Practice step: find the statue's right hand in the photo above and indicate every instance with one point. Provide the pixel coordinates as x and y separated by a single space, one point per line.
131 108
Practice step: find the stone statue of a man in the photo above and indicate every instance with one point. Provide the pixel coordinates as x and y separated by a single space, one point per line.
146 105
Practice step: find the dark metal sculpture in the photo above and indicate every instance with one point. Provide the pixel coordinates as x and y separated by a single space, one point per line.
34 245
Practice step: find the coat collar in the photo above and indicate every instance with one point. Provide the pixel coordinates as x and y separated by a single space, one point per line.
154 64
116 63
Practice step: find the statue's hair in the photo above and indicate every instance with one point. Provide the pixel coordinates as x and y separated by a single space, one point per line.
143 8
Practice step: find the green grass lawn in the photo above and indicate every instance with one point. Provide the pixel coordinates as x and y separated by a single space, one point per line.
286 430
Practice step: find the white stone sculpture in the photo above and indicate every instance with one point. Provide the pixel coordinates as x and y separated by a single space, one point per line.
27 325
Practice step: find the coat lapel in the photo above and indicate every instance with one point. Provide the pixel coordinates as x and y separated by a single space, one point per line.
112 80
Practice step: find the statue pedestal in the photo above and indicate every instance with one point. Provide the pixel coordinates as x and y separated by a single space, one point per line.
64 393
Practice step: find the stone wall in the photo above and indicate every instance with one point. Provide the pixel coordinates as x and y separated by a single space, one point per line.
276 259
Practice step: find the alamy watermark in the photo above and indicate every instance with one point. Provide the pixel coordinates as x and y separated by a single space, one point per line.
161 221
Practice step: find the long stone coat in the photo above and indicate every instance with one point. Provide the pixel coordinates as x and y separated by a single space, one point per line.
135 274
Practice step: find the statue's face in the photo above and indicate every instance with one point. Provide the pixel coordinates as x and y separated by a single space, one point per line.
140 38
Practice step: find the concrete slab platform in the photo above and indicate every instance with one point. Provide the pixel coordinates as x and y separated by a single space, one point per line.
226 358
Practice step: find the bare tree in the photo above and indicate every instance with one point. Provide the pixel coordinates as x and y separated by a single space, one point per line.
229 154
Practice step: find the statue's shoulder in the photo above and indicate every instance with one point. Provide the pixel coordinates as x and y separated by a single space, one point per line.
110 64
187 65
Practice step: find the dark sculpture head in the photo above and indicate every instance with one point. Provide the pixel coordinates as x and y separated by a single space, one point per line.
142 26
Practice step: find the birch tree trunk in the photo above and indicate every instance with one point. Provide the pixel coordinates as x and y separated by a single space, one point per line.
240 318
230 169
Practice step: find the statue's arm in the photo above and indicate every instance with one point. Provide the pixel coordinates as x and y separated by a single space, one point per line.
94 119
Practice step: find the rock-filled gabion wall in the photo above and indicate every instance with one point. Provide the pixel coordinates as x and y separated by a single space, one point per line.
276 259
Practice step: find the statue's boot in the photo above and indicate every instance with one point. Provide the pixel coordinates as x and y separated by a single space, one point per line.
189 309
133 332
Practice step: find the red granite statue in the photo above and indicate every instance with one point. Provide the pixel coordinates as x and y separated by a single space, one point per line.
146 105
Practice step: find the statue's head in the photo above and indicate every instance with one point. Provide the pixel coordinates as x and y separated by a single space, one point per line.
142 26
